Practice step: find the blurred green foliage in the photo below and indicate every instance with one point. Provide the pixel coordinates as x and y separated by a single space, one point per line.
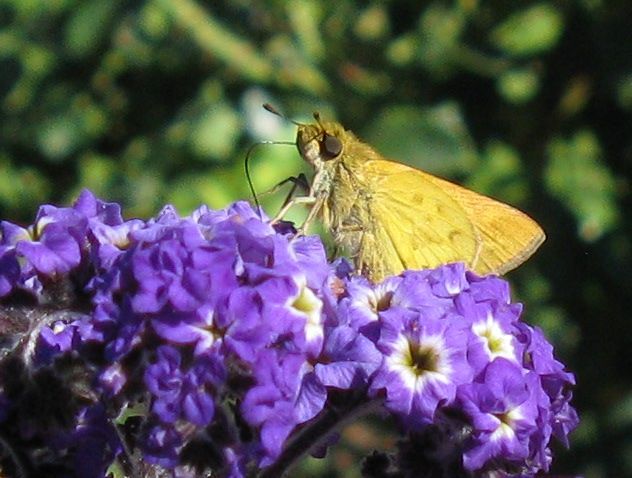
155 101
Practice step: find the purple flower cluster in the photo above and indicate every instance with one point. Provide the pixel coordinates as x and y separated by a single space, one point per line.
216 342
453 344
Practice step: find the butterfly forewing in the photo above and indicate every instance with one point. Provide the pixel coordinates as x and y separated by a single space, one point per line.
508 237
424 224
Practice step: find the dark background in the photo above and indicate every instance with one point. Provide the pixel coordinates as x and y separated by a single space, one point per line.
149 102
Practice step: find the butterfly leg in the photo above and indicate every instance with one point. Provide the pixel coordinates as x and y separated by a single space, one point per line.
299 181
352 235
316 205
291 203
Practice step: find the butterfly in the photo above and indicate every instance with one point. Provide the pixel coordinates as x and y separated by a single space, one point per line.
391 217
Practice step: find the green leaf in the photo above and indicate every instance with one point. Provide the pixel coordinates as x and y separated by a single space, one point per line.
213 36
401 51
215 132
500 174
88 26
518 85
59 137
21 189
98 173
624 92
440 31
216 189
578 177
372 23
63 133
435 139
531 31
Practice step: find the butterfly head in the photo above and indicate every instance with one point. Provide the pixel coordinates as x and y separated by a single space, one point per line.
321 142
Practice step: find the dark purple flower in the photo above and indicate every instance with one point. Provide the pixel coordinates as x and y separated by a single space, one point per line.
235 463
5 406
161 272
113 378
182 392
58 338
165 380
91 445
119 327
162 445
96 443
9 270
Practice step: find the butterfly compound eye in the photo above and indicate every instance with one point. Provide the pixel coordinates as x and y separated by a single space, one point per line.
330 147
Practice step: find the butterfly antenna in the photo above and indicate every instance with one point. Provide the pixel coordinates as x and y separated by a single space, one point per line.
271 109
318 120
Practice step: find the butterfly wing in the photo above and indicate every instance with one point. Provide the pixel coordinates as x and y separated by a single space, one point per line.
508 236
414 220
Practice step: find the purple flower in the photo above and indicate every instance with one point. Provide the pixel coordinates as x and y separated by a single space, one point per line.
364 301
55 244
295 309
493 326
424 363
311 259
240 211
55 241
98 211
54 251
348 359
556 383
164 276
502 407
239 338
110 241
270 405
